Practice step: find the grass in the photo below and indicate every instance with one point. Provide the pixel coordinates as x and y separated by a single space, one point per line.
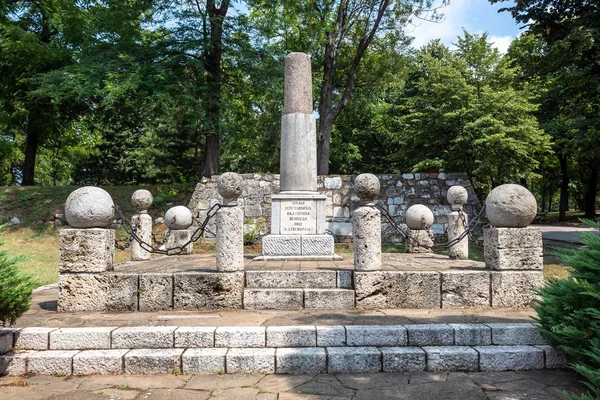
571 218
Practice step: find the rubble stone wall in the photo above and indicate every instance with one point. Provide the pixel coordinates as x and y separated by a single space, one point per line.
398 192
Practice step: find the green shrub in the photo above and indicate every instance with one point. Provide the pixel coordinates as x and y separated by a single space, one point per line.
569 310
15 289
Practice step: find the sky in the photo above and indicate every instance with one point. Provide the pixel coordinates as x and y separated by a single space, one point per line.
476 16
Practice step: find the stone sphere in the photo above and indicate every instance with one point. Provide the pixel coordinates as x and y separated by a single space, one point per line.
419 217
510 206
457 195
366 186
141 199
89 207
230 185
178 217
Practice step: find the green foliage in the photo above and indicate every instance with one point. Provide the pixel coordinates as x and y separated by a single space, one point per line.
569 309
15 289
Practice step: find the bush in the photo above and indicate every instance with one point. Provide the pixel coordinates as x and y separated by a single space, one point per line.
569 310
15 289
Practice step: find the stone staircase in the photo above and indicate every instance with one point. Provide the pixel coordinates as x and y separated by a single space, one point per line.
297 289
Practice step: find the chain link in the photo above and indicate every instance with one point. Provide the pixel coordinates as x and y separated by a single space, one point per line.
406 238
132 232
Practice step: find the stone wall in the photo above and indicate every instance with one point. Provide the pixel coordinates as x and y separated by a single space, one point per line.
398 192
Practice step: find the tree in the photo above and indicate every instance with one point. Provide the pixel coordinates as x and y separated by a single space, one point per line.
462 111
15 289
337 34
570 29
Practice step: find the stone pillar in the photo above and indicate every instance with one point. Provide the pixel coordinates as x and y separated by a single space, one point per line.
230 225
366 225
418 219
142 223
298 133
179 219
512 249
457 222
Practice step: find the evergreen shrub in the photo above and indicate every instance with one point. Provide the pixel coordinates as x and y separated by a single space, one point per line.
569 310
15 289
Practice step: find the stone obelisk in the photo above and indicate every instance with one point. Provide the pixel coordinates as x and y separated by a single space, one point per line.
298 211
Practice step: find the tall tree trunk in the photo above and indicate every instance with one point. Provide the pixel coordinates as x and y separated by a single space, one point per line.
213 56
31 147
543 195
564 187
590 193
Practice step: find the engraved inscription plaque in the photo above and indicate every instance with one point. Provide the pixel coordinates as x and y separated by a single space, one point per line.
298 217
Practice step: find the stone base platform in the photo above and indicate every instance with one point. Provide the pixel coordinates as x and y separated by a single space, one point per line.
275 349
408 281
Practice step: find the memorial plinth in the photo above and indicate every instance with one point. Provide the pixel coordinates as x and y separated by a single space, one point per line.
298 212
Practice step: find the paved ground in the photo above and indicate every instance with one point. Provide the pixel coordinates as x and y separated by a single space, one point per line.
43 313
565 234
538 385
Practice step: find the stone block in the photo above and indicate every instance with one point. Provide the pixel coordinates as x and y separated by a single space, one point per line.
203 361
291 279
419 241
512 334
397 289
81 338
250 360
143 337
156 292
240 336
281 245
514 259
403 359
6 341
15 362
331 336
465 289
328 298
317 245
554 357
291 336
176 239
513 238
230 238
153 361
273 299
86 250
472 334
92 362
143 224
451 358
301 360
510 358
353 360
430 335
366 234
195 336
344 279
51 362
375 335
202 290
515 288
98 292
32 338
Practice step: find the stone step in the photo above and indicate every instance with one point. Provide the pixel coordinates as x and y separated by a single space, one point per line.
297 298
315 279
279 360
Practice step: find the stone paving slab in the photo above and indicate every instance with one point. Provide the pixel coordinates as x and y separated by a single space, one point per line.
382 386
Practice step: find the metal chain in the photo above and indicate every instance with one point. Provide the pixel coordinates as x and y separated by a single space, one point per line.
132 232
469 228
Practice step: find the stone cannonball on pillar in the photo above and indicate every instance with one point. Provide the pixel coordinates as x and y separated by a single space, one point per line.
142 200
179 217
89 207
366 187
457 196
419 217
230 185
510 206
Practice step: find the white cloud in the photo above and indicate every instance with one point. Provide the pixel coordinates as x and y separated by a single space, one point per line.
447 30
501 42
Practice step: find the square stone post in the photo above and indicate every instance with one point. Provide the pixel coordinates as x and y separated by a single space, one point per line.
457 196
366 225
86 250
230 225
142 223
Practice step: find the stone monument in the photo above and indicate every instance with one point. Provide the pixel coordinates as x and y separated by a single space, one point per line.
298 211
458 222
141 200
